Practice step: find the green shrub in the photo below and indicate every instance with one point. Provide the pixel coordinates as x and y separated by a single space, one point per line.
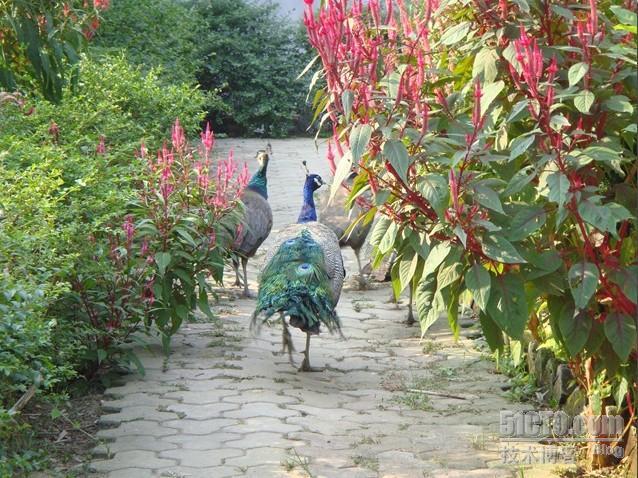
154 33
253 57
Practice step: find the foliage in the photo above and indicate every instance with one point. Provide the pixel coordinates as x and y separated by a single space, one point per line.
499 141
67 174
252 58
42 40
154 33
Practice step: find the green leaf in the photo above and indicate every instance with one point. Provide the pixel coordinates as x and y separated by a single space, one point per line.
397 154
521 179
601 153
526 221
577 72
488 198
434 188
625 16
627 279
500 249
492 332
453 312
436 256
508 305
455 33
519 145
620 330
448 275
584 100
378 231
620 104
162 259
583 282
620 393
407 268
424 296
574 328
485 64
489 94
478 282
101 355
558 185
387 242
347 99
359 138
344 167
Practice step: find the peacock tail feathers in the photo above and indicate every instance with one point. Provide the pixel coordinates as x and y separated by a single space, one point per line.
296 283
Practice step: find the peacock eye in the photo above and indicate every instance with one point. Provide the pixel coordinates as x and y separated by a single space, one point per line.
290 242
304 268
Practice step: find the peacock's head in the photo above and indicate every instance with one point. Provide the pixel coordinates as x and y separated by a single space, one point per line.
262 159
314 181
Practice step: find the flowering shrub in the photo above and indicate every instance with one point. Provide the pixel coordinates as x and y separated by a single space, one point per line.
40 40
499 141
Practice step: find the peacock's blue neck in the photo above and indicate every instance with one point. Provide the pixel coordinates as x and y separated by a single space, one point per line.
308 212
259 182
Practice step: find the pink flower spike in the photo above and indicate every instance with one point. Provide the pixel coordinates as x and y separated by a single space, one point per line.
101 146
208 138
177 136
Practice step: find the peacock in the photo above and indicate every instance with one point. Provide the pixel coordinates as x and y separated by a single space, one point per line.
257 220
303 277
334 215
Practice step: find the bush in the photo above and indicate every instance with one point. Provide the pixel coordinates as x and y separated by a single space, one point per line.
501 149
252 58
67 174
154 33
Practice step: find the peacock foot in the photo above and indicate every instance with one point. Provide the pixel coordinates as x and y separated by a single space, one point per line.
246 294
305 367
409 321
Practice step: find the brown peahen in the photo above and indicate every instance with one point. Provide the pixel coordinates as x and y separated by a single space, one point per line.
303 277
334 215
257 220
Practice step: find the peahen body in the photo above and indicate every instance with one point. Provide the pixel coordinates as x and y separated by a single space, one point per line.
303 276
338 219
257 220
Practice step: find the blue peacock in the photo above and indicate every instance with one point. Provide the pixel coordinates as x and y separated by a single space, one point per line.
303 276
257 219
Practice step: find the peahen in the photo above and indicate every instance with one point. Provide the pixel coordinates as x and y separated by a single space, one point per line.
303 276
257 219
334 215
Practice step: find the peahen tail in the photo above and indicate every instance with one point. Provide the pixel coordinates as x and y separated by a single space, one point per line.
295 283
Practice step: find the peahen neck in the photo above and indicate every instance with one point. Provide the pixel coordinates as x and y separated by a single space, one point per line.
259 182
308 212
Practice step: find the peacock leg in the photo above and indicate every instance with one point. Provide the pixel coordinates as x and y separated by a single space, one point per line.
287 341
410 320
305 365
244 263
362 282
236 268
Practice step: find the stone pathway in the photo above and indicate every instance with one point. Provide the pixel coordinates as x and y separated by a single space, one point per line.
227 404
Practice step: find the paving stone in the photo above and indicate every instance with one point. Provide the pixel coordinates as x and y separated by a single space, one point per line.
139 427
201 427
203 442
262 409
201 458
132 473
202 412
199 397
131 413
131 459
262 424
134 442
188 472
259 456
262 439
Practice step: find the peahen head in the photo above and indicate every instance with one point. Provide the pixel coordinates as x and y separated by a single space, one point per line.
259 182
262 160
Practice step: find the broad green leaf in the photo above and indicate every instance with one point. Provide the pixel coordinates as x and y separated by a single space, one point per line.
558 185
453 312
424 295
485 63
379 229
492 332
519 145
434 188
620 393
620 330
347 99
397 154
517 110
461 234
526 221
625 16
344 167
627 278
387 242
162 259
477 281
359 139
620 104
583 282
448 274
558 122
436 256
455 33
540 264
489 94
521 179
488 198
574 328
584 100
601 153
507 305
500 249
577 72
407 268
